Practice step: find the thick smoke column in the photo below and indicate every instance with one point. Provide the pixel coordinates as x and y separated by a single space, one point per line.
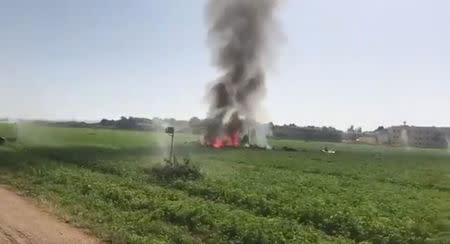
243 35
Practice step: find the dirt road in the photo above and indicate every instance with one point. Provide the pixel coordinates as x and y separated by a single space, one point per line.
23 223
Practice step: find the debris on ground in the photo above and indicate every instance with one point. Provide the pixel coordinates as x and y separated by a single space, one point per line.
329 151
252 146
289 149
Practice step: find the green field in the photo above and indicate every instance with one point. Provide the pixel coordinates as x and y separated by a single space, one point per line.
99 179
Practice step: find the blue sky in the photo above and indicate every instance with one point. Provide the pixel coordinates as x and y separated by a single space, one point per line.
366 63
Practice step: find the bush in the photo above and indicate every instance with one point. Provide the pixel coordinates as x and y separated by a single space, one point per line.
2 140
176 171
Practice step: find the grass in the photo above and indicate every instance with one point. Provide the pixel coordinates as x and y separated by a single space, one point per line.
101 180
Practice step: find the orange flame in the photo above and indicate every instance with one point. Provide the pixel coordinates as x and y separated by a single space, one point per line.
226 141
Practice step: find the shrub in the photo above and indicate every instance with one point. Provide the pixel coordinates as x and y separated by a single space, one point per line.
176 171
2 140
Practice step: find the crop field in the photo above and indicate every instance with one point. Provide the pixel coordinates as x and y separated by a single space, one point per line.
101 180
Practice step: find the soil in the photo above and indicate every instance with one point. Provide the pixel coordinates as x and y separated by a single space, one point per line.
21 222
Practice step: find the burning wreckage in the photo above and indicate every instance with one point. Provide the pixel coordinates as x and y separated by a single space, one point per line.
237 132
243 35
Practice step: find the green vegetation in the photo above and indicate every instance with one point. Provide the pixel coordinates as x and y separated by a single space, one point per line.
8 131
102 179
171 171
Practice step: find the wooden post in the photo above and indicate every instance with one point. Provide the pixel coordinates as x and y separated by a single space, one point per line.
17 131
171 132
171 148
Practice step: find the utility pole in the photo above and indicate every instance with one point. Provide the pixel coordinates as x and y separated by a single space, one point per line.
17 131
171 132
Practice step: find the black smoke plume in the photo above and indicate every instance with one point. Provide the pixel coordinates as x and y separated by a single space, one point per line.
243 35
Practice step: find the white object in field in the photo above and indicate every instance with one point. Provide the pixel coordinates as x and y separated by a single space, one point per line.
325 150
267 147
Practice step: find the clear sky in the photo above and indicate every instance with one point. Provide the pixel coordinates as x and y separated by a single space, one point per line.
366 63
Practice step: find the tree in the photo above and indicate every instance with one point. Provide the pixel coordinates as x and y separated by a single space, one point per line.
353 133
359 130
351 129
380 128
194 121
196 125
106 122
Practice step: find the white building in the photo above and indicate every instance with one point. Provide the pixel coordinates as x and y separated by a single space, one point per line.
428 137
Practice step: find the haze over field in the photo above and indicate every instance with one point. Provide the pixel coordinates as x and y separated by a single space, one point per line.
343 62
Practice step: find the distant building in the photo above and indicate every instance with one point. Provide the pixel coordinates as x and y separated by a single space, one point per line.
383 137
446 131
377 137
427 137
368 139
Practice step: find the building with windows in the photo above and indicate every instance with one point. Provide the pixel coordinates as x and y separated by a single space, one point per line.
415 136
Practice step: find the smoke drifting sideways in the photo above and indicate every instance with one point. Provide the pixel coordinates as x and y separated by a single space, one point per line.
243 36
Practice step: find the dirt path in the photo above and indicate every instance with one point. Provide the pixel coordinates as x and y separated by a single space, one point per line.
23 223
